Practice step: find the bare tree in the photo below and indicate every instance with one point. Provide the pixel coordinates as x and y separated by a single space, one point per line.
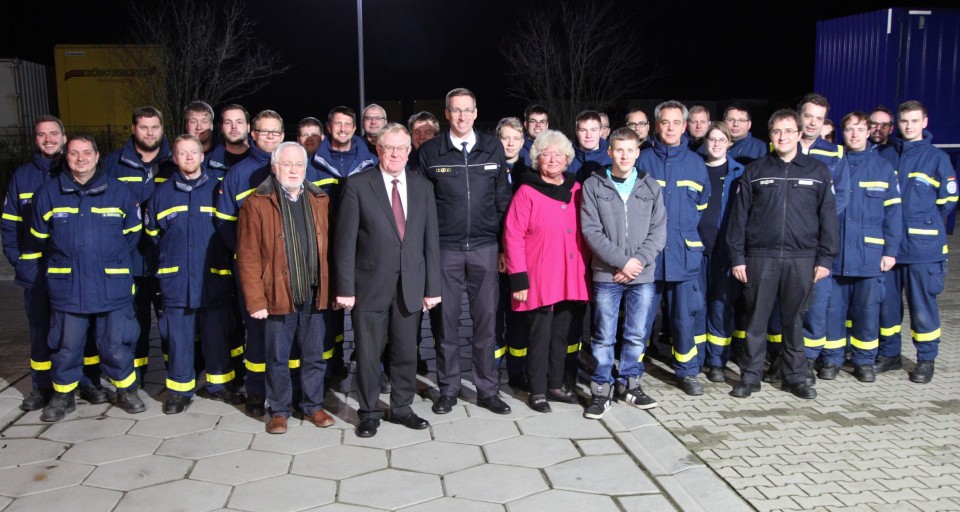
571 55
202 50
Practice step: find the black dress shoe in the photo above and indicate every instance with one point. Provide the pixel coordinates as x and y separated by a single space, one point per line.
743 390
444 404
254 406
801 390
494 404
368 428
411 421
176 404
828 372
539 403
562 396
716 374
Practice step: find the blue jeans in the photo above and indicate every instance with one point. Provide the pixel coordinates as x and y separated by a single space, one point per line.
606 311
305 327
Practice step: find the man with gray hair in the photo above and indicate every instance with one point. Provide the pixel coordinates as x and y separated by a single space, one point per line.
285 283
686 191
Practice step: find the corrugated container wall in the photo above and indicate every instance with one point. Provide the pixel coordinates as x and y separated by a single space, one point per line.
25 88
887 57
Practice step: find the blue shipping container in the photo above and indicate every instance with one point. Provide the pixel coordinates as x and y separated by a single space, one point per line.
891 56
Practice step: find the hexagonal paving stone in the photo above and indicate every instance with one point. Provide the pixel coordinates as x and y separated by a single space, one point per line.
648 503
339 462
91 498
22 431
447 504
214 407
111 449
622 417
180 496
495 482
390 489
564 501
565 425
205 444
239 467
140 472
241 423
476 431
283 493
40 477
4 501
340 507
173 425
615 475
436 457
531 451
423 409
389 437
75 431
599 446
16 452
518 410
307 437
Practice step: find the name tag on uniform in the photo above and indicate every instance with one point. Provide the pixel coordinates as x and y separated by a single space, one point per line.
805 182
766 182
490 167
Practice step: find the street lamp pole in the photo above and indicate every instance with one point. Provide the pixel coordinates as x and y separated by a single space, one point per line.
360 48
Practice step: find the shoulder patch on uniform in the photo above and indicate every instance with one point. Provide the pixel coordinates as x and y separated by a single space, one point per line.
952 186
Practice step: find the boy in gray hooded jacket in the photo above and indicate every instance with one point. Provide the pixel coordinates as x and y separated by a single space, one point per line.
624 222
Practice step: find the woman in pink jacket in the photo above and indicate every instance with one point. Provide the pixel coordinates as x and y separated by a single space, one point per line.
547 263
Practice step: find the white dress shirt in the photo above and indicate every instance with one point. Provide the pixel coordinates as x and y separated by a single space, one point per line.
470 139
401 187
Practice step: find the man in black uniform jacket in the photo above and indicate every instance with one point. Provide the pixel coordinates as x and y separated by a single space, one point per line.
782 239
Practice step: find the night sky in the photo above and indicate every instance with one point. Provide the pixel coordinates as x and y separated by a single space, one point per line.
420 49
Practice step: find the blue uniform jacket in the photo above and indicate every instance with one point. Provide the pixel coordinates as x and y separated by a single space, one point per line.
686 191
194 266
242 180
585 163
125 165
216 158
831 155
872 226
17 211
342 164
87 236
928 187
748 149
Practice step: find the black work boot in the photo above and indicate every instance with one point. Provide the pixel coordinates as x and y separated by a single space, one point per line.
129 400
60 404
37 400
923 373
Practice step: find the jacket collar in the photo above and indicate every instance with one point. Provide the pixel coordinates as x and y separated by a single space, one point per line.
269 188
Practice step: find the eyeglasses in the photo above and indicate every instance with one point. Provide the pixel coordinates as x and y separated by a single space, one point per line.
721 140
465 111
731 120
395 149
270 133
286 166
633 126
374 118
788 132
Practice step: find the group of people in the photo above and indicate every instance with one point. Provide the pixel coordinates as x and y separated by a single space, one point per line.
252 249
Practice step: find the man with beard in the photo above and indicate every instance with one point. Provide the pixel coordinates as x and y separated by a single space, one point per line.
881 127
198 121
145 156
638 121
235 129
17 210
87 225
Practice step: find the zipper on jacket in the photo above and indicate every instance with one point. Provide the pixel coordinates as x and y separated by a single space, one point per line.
466 172
783 225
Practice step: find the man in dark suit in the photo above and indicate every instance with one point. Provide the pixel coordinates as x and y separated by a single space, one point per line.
387 256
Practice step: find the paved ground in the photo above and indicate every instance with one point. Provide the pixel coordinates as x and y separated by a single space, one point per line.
891 445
